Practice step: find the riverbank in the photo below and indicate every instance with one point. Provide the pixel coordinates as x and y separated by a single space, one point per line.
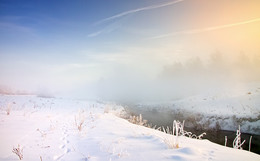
164 116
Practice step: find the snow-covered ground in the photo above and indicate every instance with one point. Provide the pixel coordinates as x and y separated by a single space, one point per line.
227 109
47 129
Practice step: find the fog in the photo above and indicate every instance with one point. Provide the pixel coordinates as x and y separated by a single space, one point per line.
182 79
133 83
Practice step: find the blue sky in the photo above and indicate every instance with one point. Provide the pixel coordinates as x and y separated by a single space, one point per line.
70 44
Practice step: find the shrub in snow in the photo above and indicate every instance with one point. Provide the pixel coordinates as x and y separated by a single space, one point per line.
249 149
79 121
167 130
225 140
178 130
169 140
138 120
18 151
201 135
106 109
237 141
117 110
8 110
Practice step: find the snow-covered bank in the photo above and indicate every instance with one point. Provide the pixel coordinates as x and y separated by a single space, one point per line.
47 129
222 110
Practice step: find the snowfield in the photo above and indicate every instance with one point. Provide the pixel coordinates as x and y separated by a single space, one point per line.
48 129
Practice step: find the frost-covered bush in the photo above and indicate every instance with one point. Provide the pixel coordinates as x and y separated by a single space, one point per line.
178 130
117 110
138 120
237 141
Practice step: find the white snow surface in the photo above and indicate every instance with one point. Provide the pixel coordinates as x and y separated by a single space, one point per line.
45 128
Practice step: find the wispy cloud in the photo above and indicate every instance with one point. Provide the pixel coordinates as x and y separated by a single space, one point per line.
195 31
137 10
15 27
95 33
108 29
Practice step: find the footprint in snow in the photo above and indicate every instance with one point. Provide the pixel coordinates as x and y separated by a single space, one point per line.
62 138
57 157
66 151
64 132
62 146
66 141
211 155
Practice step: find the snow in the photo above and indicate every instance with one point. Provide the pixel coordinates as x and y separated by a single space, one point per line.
229 108
45 128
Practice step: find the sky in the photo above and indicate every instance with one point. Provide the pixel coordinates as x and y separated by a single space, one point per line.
120 48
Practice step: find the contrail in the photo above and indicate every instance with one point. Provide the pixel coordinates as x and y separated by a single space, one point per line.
137 10
195 31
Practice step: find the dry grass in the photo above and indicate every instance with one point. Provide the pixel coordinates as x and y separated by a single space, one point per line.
43 134
18 151
106 109
79 121
171 142
138 120
8 109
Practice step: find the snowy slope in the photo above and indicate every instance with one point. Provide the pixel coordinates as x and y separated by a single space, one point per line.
46 129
